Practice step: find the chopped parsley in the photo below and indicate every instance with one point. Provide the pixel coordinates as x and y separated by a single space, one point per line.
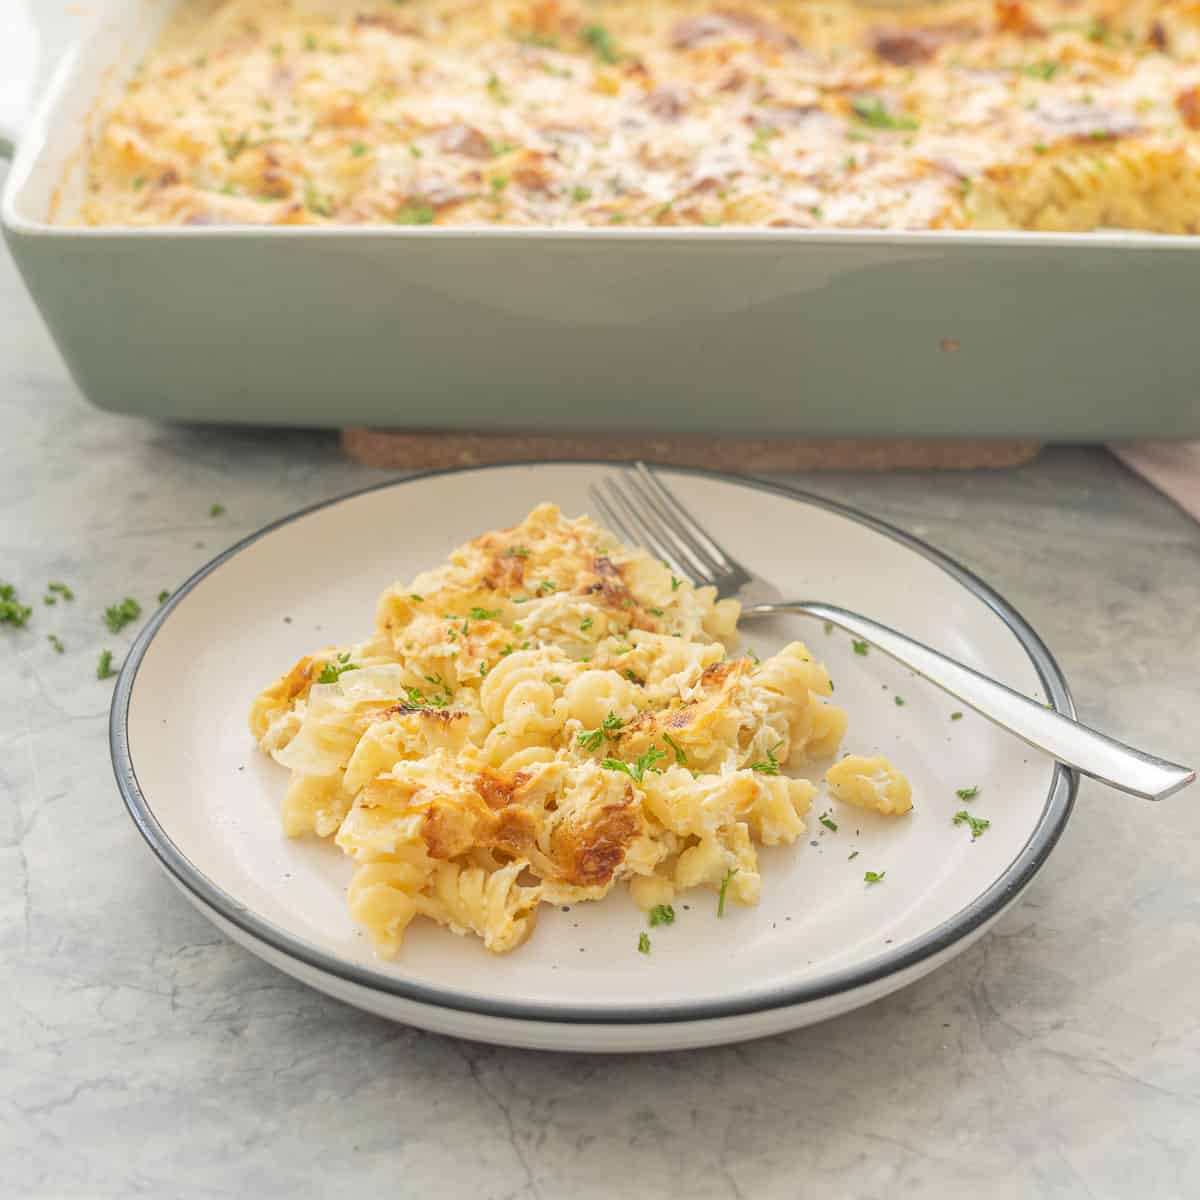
762 139
495 89
658 612
602 42
899 701
586 624
871 111
333 670
967 793
852 856
675 583
415 598
1040 148
978 824
770 765
724 888
610 727
117 616
680 756
12 611
62 590
485 614
579 193
861 647
828 628
516 552
358 149
547 586
164 596
956 716
310 41
636 771
874 876
1041 70
643 942
415 214
662 914
315 202
498 184
104 667
828 822
217 510
56 642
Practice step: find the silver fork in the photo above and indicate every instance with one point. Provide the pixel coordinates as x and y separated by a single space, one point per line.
643 510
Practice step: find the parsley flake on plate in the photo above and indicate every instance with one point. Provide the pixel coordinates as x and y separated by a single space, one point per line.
643 942
967 793
874 876
861 647
662 914
828 822
104 667
978 824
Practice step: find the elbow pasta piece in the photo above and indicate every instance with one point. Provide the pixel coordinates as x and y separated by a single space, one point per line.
870 783
547 715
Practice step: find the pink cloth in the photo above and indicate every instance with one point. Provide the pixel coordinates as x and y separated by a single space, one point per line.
1172 467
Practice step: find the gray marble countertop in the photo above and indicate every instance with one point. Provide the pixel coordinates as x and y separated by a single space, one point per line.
143 1054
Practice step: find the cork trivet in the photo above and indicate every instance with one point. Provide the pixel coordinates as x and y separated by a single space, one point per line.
432 450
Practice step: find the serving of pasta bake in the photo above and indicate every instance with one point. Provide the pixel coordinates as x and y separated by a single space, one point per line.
548 716
968 114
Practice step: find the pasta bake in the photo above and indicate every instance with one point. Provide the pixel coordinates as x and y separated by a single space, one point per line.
546 716
968 114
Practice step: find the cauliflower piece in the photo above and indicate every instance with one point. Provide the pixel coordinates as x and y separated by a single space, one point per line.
870 783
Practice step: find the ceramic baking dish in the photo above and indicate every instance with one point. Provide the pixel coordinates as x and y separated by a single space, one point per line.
753 332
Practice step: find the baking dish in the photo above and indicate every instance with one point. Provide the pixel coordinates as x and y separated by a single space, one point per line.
753 332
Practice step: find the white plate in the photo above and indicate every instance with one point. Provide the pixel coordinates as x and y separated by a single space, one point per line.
821 942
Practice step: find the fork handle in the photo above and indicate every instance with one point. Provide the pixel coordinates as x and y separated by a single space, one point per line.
1075 745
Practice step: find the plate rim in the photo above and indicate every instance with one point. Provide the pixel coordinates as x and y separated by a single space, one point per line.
1056 809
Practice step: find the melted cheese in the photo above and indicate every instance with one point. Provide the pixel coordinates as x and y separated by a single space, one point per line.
1051 114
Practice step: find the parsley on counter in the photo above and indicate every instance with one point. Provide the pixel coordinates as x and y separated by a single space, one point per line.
104 667
12 611
662 914
117 616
